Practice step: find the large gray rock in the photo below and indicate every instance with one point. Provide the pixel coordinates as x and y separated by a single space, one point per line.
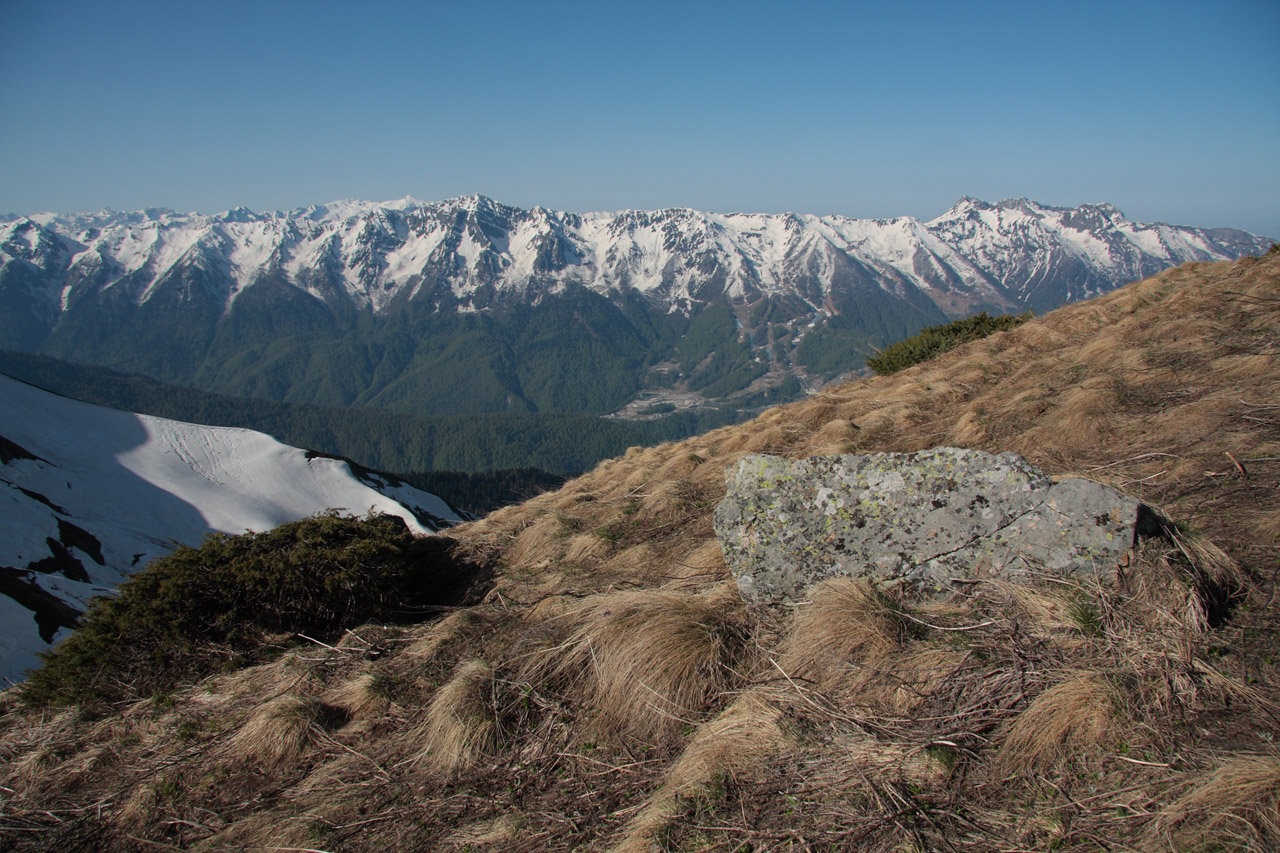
928 521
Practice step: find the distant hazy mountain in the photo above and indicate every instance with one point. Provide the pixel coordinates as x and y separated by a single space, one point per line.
88 495
470 305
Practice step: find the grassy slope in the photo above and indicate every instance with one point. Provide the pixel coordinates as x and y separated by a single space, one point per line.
612 693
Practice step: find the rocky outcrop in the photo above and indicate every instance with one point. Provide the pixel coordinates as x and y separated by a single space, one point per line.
932 522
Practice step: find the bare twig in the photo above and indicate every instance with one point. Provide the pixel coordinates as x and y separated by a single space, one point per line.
1142 763
986 624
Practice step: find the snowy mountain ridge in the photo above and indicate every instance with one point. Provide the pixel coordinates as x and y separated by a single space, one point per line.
89 495
469 305
375 254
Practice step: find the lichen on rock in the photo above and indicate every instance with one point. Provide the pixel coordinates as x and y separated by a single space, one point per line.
931 521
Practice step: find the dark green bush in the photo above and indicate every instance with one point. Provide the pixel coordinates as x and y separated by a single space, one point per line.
203 609
936 340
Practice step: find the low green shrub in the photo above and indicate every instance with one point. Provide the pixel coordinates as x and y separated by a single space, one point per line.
201 610
936 340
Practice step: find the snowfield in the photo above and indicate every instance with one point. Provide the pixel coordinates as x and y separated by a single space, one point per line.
89 495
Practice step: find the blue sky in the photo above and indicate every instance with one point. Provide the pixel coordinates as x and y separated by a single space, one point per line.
1169 110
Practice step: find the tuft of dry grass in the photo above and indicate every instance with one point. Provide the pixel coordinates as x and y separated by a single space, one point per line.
1234 807
485 834
846 622
140 807
426 646
1072 719
731 747
276 733
832 437
461 723
699 566
363 696
647 661
538 543
586 547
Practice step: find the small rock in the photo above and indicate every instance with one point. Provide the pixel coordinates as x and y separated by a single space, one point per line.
927 521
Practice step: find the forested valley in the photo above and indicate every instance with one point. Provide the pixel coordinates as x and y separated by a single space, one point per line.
475 461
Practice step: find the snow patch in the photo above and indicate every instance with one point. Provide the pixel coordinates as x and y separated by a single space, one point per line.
140 485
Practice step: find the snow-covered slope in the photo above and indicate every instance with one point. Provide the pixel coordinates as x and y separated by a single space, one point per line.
88 495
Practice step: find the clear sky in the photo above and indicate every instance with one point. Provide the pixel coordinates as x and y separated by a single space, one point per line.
1170 110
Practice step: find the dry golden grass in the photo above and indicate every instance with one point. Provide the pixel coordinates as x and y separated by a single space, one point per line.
637 561
140 807
493 833
832 437
697 563
263 680
429 642
539 543
26 748
43 773
1236 806
586 547
646 661
276 733
265 832
1072 719
362 696
461 723
730 747
846 624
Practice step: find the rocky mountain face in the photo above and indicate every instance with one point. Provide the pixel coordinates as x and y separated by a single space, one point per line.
471 305
90 495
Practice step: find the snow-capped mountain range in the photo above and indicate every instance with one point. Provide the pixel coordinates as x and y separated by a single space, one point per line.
116 288
1016 253
89 495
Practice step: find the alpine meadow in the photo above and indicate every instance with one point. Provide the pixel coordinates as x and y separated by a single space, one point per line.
593 679
709 427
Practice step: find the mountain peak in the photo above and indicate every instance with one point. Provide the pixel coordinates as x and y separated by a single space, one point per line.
238 214
474 201
409 202
1107 209
1022 203
964 207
